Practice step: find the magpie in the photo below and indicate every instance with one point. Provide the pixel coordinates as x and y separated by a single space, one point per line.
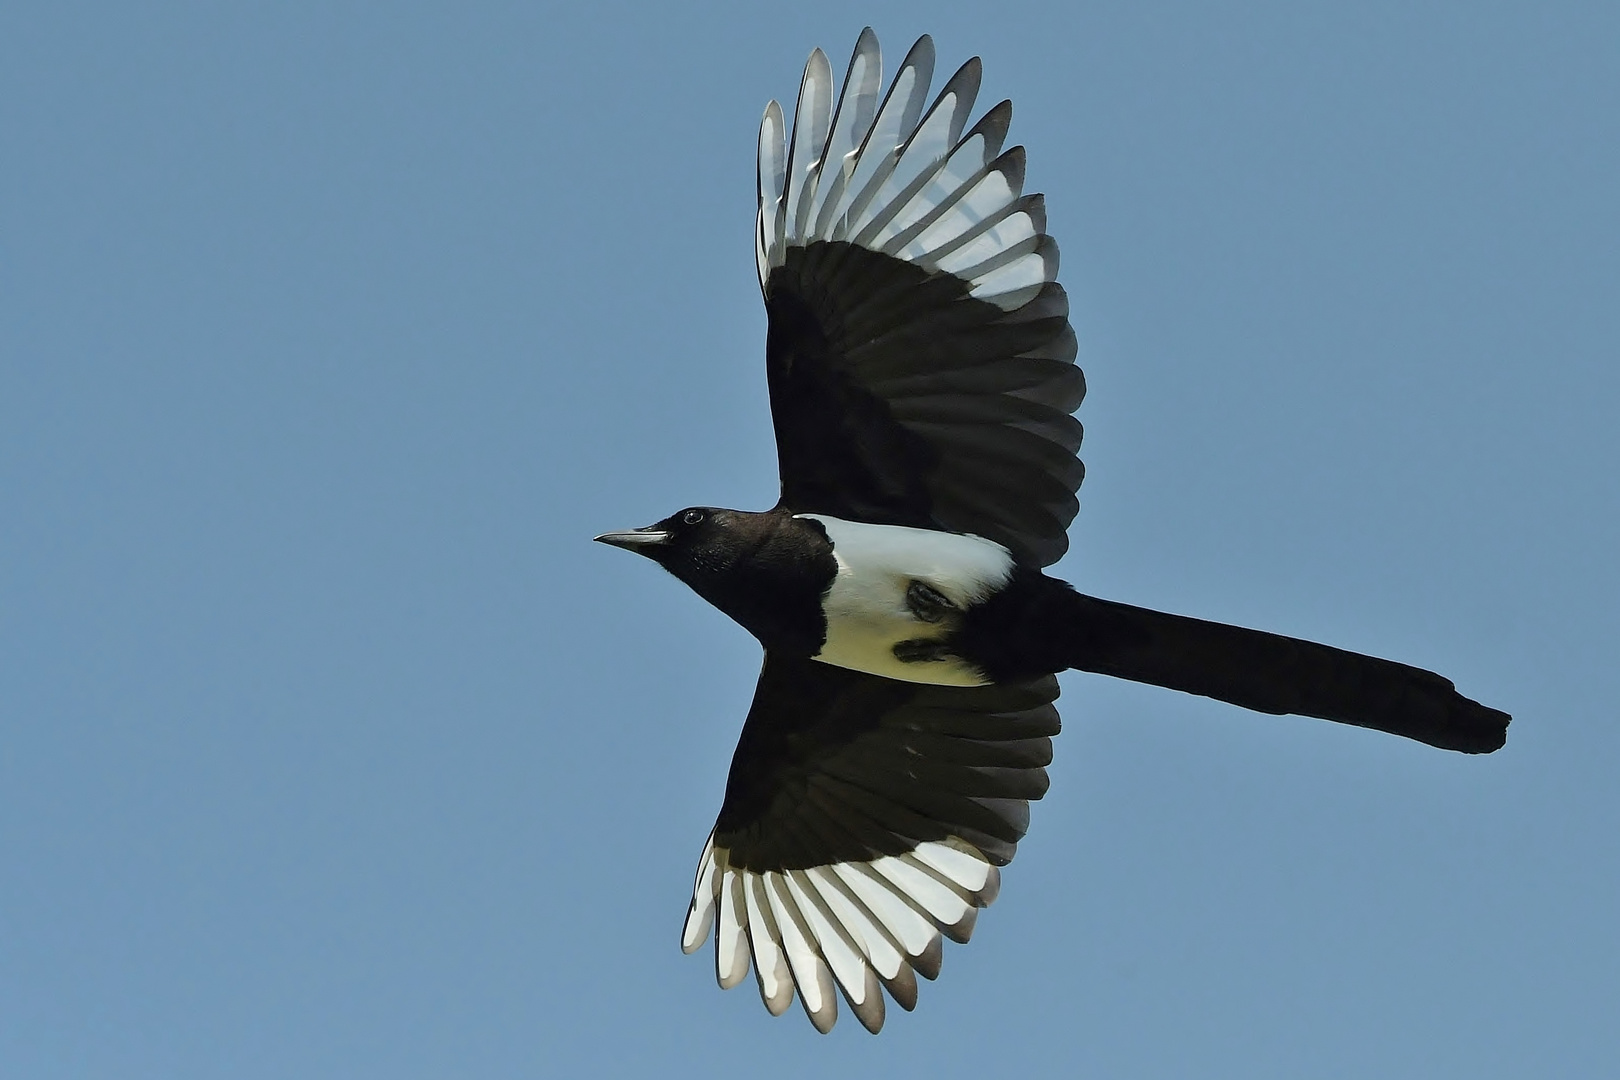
922 380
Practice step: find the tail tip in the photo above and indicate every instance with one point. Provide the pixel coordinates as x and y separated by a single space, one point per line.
1476 729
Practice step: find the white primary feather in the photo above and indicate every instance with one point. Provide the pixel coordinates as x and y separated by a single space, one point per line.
809 967
953 241
860 926
772 177
770 963
730 936
893 178
1015 284
875 943
847 964
963 865
705 888
942 903
925 150
857 106
911 929
948 194
811 120
895 120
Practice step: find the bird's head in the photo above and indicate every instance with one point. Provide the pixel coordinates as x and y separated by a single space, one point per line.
689 542
753 566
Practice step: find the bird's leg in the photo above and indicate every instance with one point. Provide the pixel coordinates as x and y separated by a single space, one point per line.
921 651
927 603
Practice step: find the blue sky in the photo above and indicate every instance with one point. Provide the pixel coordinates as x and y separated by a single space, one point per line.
329 334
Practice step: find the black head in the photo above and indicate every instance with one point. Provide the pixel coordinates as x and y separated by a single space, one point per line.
690 540
763 569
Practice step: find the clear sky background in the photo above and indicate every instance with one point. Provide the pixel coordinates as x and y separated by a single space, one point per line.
330 334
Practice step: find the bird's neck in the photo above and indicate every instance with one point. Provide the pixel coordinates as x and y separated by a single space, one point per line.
770 576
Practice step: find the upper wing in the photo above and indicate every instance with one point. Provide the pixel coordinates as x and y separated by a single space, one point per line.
863 817
920 359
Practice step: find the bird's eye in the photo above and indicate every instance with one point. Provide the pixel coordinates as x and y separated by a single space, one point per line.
692 517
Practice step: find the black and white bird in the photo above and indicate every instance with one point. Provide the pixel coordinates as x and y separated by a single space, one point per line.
922 379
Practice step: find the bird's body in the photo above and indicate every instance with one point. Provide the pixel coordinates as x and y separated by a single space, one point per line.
921 371
901 595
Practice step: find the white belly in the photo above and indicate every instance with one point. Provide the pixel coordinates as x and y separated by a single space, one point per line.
866 605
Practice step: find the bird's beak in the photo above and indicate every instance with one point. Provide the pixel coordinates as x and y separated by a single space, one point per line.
641 541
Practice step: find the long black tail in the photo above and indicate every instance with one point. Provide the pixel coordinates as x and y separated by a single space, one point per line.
1269 673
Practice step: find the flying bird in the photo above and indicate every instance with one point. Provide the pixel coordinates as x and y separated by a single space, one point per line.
921 371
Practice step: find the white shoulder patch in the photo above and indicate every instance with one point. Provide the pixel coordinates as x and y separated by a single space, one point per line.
900 586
